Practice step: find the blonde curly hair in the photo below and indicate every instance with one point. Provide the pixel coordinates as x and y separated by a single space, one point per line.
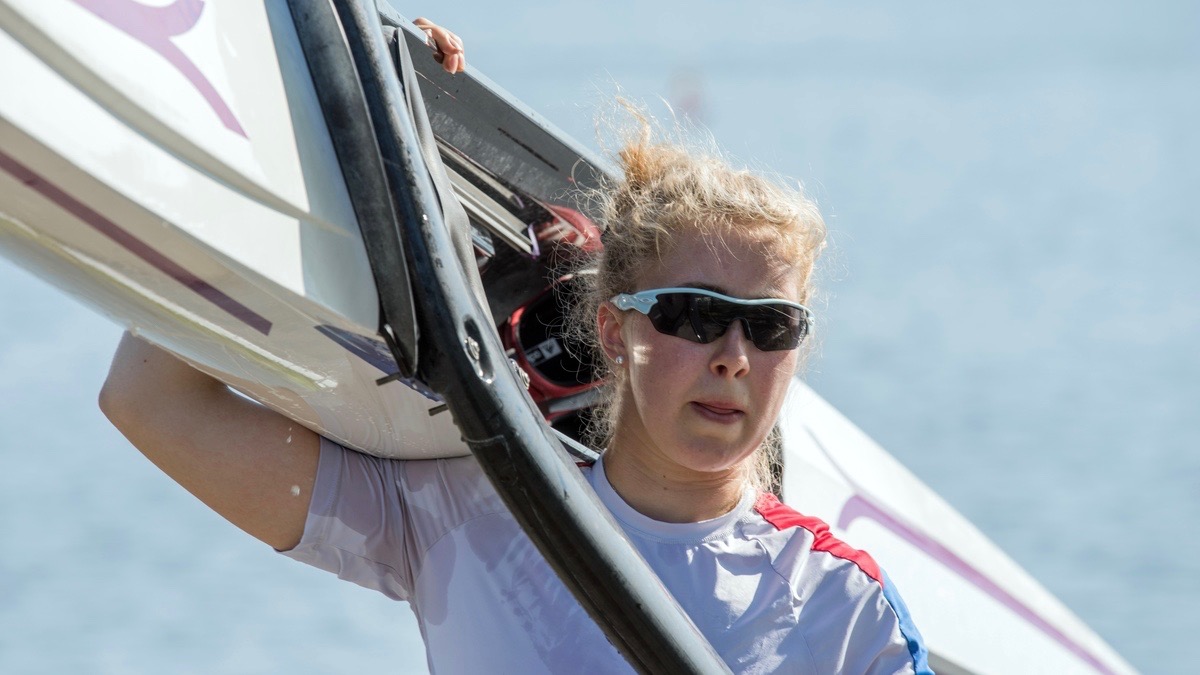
673 183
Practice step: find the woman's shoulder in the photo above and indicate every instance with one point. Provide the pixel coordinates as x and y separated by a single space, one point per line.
835 579
796 541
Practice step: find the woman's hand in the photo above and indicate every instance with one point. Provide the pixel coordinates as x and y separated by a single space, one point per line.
448 47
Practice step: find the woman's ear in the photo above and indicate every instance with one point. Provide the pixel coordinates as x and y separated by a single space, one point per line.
609 321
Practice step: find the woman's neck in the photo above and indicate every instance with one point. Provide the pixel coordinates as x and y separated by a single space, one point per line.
667 492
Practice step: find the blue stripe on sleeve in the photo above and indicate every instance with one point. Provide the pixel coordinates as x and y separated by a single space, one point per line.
916 643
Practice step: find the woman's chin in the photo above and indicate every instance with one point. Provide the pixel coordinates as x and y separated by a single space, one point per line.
713 455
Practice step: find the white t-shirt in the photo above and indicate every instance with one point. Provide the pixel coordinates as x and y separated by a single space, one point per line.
772 590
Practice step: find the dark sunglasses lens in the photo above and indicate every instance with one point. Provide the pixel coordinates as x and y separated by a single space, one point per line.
776 327
702 318
713 316
671 315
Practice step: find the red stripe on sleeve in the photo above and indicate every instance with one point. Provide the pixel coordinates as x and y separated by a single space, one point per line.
783 517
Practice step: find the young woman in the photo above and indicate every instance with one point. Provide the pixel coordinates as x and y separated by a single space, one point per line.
698 313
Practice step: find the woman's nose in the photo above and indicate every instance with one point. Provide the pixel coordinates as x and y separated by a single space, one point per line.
732 358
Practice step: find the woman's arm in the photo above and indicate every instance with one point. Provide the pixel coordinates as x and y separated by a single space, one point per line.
248 463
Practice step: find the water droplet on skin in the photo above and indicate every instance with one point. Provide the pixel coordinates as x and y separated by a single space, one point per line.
289 439
295 490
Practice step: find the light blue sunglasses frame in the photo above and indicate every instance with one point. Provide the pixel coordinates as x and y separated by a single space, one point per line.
644 302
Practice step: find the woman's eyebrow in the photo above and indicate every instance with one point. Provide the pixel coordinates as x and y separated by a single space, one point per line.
771 293
708 287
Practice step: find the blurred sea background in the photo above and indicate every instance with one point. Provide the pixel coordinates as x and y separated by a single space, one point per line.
1010 305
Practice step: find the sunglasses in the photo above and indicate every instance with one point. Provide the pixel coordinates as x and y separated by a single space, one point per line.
702 316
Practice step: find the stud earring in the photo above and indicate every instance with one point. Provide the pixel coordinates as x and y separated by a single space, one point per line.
620 360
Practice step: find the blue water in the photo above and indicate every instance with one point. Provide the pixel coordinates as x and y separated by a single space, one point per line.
1011 306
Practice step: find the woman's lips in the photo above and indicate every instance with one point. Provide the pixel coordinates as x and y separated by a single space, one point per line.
717 412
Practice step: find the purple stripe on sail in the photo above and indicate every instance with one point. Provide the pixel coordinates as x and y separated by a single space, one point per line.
154 27
861 507
134 245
